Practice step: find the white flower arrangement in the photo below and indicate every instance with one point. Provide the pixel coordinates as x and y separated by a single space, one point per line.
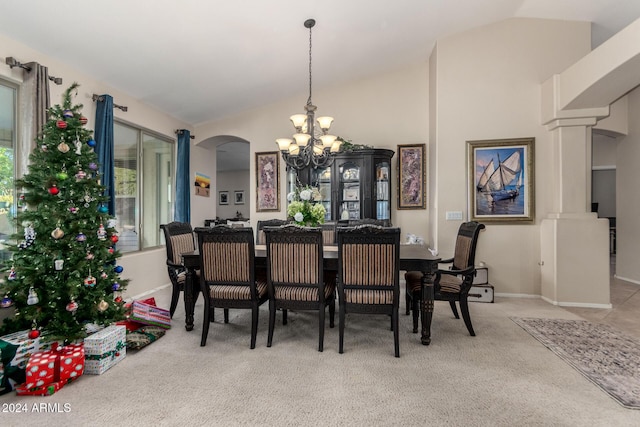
303 208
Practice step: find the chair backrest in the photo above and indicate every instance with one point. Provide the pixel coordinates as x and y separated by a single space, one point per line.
179 239
294 256
368 258
260 240
466 242
329 233
227 255
372 221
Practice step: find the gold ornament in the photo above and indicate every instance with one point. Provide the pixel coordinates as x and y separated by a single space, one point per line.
103 305
57 233
63 147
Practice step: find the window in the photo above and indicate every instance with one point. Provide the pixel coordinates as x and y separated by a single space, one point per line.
8 96
144 164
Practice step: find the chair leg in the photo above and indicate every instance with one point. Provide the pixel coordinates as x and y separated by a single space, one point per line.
272 321
341 328
175 296
396 333
332 312
213 314
416 312
284 316
226 315
321 328
464 307
454 309
407 301
254 324
205 324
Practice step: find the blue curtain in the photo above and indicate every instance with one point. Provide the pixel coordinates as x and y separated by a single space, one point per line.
182 208
103 136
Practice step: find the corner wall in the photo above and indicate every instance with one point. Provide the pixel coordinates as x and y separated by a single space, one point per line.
488 86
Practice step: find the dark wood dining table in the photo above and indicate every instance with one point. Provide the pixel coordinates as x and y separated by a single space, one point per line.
412 258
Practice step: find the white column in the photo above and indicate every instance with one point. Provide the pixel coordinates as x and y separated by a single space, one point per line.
574 242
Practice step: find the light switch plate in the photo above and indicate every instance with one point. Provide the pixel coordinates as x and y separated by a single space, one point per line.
454 215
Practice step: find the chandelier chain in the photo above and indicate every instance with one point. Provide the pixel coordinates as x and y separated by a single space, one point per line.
309 100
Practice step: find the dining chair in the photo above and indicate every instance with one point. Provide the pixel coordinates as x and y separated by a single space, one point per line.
451 285
295 276
328 233
227 278
365 221
179 239
267 223
368 275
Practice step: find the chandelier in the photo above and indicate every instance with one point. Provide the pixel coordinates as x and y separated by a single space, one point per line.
310 145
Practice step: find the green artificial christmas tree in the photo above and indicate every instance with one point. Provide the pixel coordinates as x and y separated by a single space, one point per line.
63 274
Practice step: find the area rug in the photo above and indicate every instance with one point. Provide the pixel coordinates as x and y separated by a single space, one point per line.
606 357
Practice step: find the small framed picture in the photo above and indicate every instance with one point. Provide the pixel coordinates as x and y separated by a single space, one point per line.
238 197
223 197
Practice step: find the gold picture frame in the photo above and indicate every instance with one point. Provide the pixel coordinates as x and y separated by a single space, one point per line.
412 177
267 181
501 180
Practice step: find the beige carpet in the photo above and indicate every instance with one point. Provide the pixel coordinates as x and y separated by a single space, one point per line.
501 377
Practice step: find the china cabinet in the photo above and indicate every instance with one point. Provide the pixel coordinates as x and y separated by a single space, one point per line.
356 186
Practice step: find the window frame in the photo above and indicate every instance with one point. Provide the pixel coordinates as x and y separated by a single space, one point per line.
140 206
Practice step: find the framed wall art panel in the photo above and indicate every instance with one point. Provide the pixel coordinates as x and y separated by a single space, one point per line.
501 180
267 181
412 177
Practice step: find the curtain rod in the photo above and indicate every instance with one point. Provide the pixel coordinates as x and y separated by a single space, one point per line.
12 62
181 131
101 98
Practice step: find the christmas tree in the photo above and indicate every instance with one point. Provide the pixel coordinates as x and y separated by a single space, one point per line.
63 274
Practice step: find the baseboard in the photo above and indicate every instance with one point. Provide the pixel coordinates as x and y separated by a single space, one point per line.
577 304
507 295
150 291
624 279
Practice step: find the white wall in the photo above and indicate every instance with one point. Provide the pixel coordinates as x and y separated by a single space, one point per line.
145 270
488 87
231 182
382 111
628 196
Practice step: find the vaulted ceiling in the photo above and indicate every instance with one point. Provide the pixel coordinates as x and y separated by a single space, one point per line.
202 60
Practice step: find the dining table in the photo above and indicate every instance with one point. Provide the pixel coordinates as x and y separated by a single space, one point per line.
412 258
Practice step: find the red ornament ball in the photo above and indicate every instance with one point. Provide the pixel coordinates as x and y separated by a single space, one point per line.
54 190
118 299
34 333
114 238
61 124
83 120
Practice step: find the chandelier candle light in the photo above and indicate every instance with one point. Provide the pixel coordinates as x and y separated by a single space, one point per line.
309 145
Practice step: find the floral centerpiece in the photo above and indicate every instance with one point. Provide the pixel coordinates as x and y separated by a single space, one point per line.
303 207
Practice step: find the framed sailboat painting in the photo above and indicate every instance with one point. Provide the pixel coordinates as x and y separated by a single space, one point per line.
501 180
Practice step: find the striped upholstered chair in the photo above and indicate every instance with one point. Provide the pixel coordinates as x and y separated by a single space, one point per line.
295 276
453 284
267 223
227 275
368 276
178 238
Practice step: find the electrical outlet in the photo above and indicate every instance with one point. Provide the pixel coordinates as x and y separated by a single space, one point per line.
454 215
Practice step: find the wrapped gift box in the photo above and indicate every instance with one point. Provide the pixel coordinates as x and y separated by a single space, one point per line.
104 349
149 314
48 371
15 350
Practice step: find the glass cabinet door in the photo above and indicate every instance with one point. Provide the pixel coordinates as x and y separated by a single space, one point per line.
349 192
321 179
383 204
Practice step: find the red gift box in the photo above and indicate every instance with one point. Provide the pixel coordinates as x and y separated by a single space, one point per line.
49 371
